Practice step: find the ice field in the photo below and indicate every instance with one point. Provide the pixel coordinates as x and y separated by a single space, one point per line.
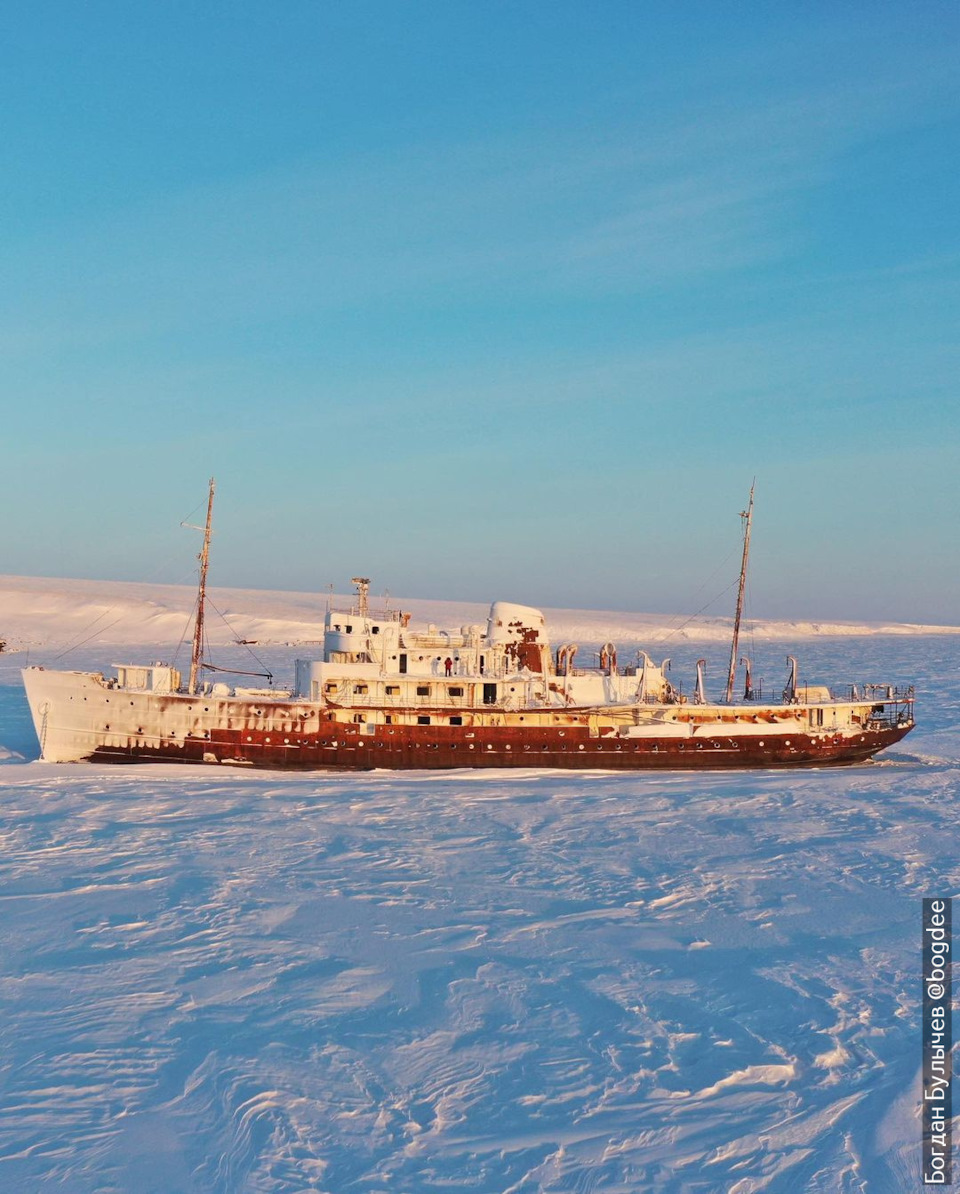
476 981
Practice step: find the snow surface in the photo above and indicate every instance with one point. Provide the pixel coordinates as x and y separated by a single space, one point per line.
40 610
469 981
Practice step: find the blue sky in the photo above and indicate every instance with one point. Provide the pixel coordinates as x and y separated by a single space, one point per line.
487 300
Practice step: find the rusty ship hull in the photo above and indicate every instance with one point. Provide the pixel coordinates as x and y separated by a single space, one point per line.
497 748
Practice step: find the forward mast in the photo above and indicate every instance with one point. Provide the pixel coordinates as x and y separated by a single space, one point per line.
196 655
747 517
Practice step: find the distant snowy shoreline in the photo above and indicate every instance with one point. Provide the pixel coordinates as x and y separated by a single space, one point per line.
40 610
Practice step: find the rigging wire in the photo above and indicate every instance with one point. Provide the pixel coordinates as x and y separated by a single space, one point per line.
748 603
72 646
186 630
670 631
233 671
253 653
90 627
666 638
199 506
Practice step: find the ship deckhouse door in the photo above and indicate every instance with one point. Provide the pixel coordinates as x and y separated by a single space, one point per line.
489 694
403 665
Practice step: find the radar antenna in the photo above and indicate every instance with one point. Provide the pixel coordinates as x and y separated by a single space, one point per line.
363 594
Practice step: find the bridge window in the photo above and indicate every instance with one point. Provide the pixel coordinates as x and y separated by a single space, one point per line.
423 690
423 721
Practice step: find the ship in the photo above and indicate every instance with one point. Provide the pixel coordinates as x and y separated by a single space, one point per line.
389 695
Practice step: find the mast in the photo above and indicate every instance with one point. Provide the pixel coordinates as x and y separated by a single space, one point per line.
747 516
204 558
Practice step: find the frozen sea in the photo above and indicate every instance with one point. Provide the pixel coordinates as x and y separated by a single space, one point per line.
473 981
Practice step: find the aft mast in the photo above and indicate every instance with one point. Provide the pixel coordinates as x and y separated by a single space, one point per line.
196 657
747 516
